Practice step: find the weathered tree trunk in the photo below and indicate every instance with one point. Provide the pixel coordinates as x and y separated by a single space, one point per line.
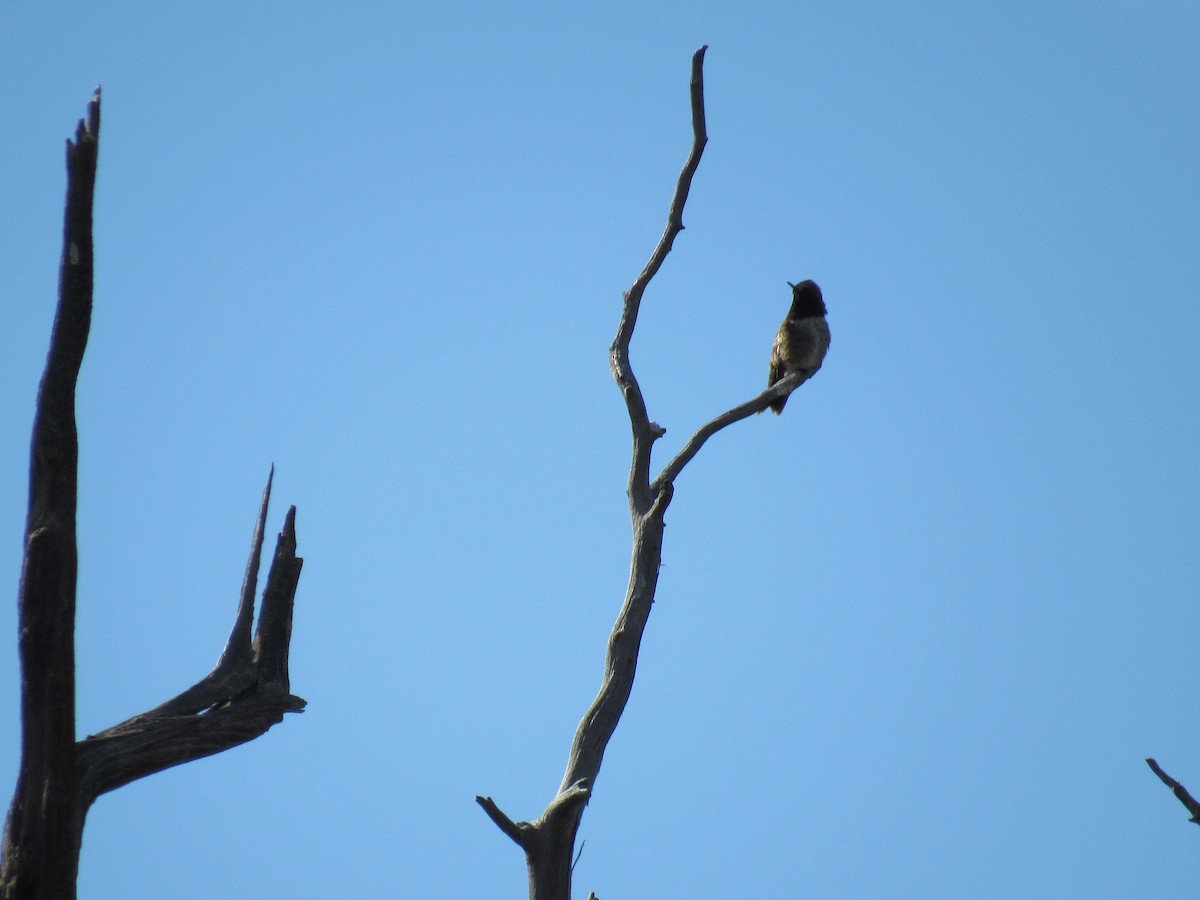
247 691
45 824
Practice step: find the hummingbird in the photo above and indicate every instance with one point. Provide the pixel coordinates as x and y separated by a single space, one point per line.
802 339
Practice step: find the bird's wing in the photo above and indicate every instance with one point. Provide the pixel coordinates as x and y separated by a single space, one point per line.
778 356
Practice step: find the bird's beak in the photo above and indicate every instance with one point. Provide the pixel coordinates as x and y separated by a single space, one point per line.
792 286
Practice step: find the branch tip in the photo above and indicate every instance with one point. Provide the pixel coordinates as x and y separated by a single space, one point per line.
93 111
270 481
1181 793
88 129
646 432
514 830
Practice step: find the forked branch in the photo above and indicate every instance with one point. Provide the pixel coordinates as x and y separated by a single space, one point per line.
248 689
548 841
246 693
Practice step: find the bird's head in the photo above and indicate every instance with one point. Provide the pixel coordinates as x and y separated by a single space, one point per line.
807 299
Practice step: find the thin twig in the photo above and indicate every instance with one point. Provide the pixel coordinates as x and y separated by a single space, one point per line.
781 388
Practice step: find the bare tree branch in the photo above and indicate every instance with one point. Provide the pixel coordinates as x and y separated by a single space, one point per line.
244 695
624 643
781 388
273 636
518 831
548 841
232 673
645 432
1180 792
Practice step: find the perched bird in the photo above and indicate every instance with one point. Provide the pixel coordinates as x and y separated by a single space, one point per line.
802 340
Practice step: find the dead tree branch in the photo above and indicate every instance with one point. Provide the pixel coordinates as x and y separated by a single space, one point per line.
782 388
44 826
1180 792
645 432
516 830
246 693
548 841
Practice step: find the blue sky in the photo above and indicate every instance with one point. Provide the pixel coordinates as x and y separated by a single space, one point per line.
913 638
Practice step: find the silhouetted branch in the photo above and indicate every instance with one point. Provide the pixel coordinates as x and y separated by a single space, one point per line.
273 637
244 695
44 827
645 432
1180 792
233 672
781 388
549 841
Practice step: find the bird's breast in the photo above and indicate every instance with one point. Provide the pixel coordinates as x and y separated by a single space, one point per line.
809 340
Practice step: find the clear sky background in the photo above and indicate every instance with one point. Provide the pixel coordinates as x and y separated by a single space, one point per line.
912 639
